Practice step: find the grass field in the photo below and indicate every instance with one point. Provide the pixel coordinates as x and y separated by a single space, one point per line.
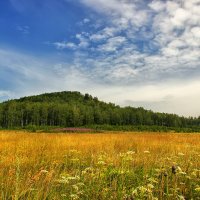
99 166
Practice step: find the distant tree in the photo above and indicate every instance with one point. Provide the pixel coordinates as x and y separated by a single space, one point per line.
75 109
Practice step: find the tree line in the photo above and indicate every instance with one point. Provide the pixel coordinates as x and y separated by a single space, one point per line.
72 109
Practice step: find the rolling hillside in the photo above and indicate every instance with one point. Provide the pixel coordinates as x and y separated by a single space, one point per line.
73 109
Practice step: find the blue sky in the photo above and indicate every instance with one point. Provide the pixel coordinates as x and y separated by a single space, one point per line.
130 52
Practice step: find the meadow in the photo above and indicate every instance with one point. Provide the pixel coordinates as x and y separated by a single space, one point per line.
111 165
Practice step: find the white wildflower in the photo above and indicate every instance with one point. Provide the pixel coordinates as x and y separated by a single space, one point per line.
74 196
44 171
130 152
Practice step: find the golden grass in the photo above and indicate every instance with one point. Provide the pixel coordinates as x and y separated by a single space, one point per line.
108 165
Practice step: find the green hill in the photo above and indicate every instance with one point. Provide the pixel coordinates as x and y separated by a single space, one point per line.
73 109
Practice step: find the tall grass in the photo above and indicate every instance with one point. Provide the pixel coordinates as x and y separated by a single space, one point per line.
99 166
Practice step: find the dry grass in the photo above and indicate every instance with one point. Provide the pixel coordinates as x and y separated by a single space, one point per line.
99 166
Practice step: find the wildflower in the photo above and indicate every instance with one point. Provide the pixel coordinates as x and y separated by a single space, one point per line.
128 158
146 152
43 171
150 186
80 184
101 162
188 177
142 189
152 180
73 151
122 155
122 172
75 187
194 174
73 178
181 197
158 170
89 170
135 192
130 152
74 196
63 180
80 193
179 169
32 189
182 173
197 189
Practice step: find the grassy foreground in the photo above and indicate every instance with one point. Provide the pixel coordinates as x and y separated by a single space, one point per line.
99 166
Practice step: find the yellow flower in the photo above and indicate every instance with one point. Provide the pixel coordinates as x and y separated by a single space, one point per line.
197 189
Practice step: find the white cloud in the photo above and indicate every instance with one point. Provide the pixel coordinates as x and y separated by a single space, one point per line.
23 29
86 20
97 37
178 44
112 44
180 17
83 41
65 45
196 32
125 11
103 34
157 5
123 71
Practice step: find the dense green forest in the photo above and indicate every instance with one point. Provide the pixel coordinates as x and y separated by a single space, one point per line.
72 109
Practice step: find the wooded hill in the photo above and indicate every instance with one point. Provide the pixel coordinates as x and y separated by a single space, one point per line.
72 109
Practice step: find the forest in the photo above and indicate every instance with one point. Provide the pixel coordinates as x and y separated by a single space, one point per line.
73 109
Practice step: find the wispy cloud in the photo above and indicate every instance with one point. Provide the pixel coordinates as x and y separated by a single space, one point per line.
86 20
23 29
23 74
65 45
112 44
5 94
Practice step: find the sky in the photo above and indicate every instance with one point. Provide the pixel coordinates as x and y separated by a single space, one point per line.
141 53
